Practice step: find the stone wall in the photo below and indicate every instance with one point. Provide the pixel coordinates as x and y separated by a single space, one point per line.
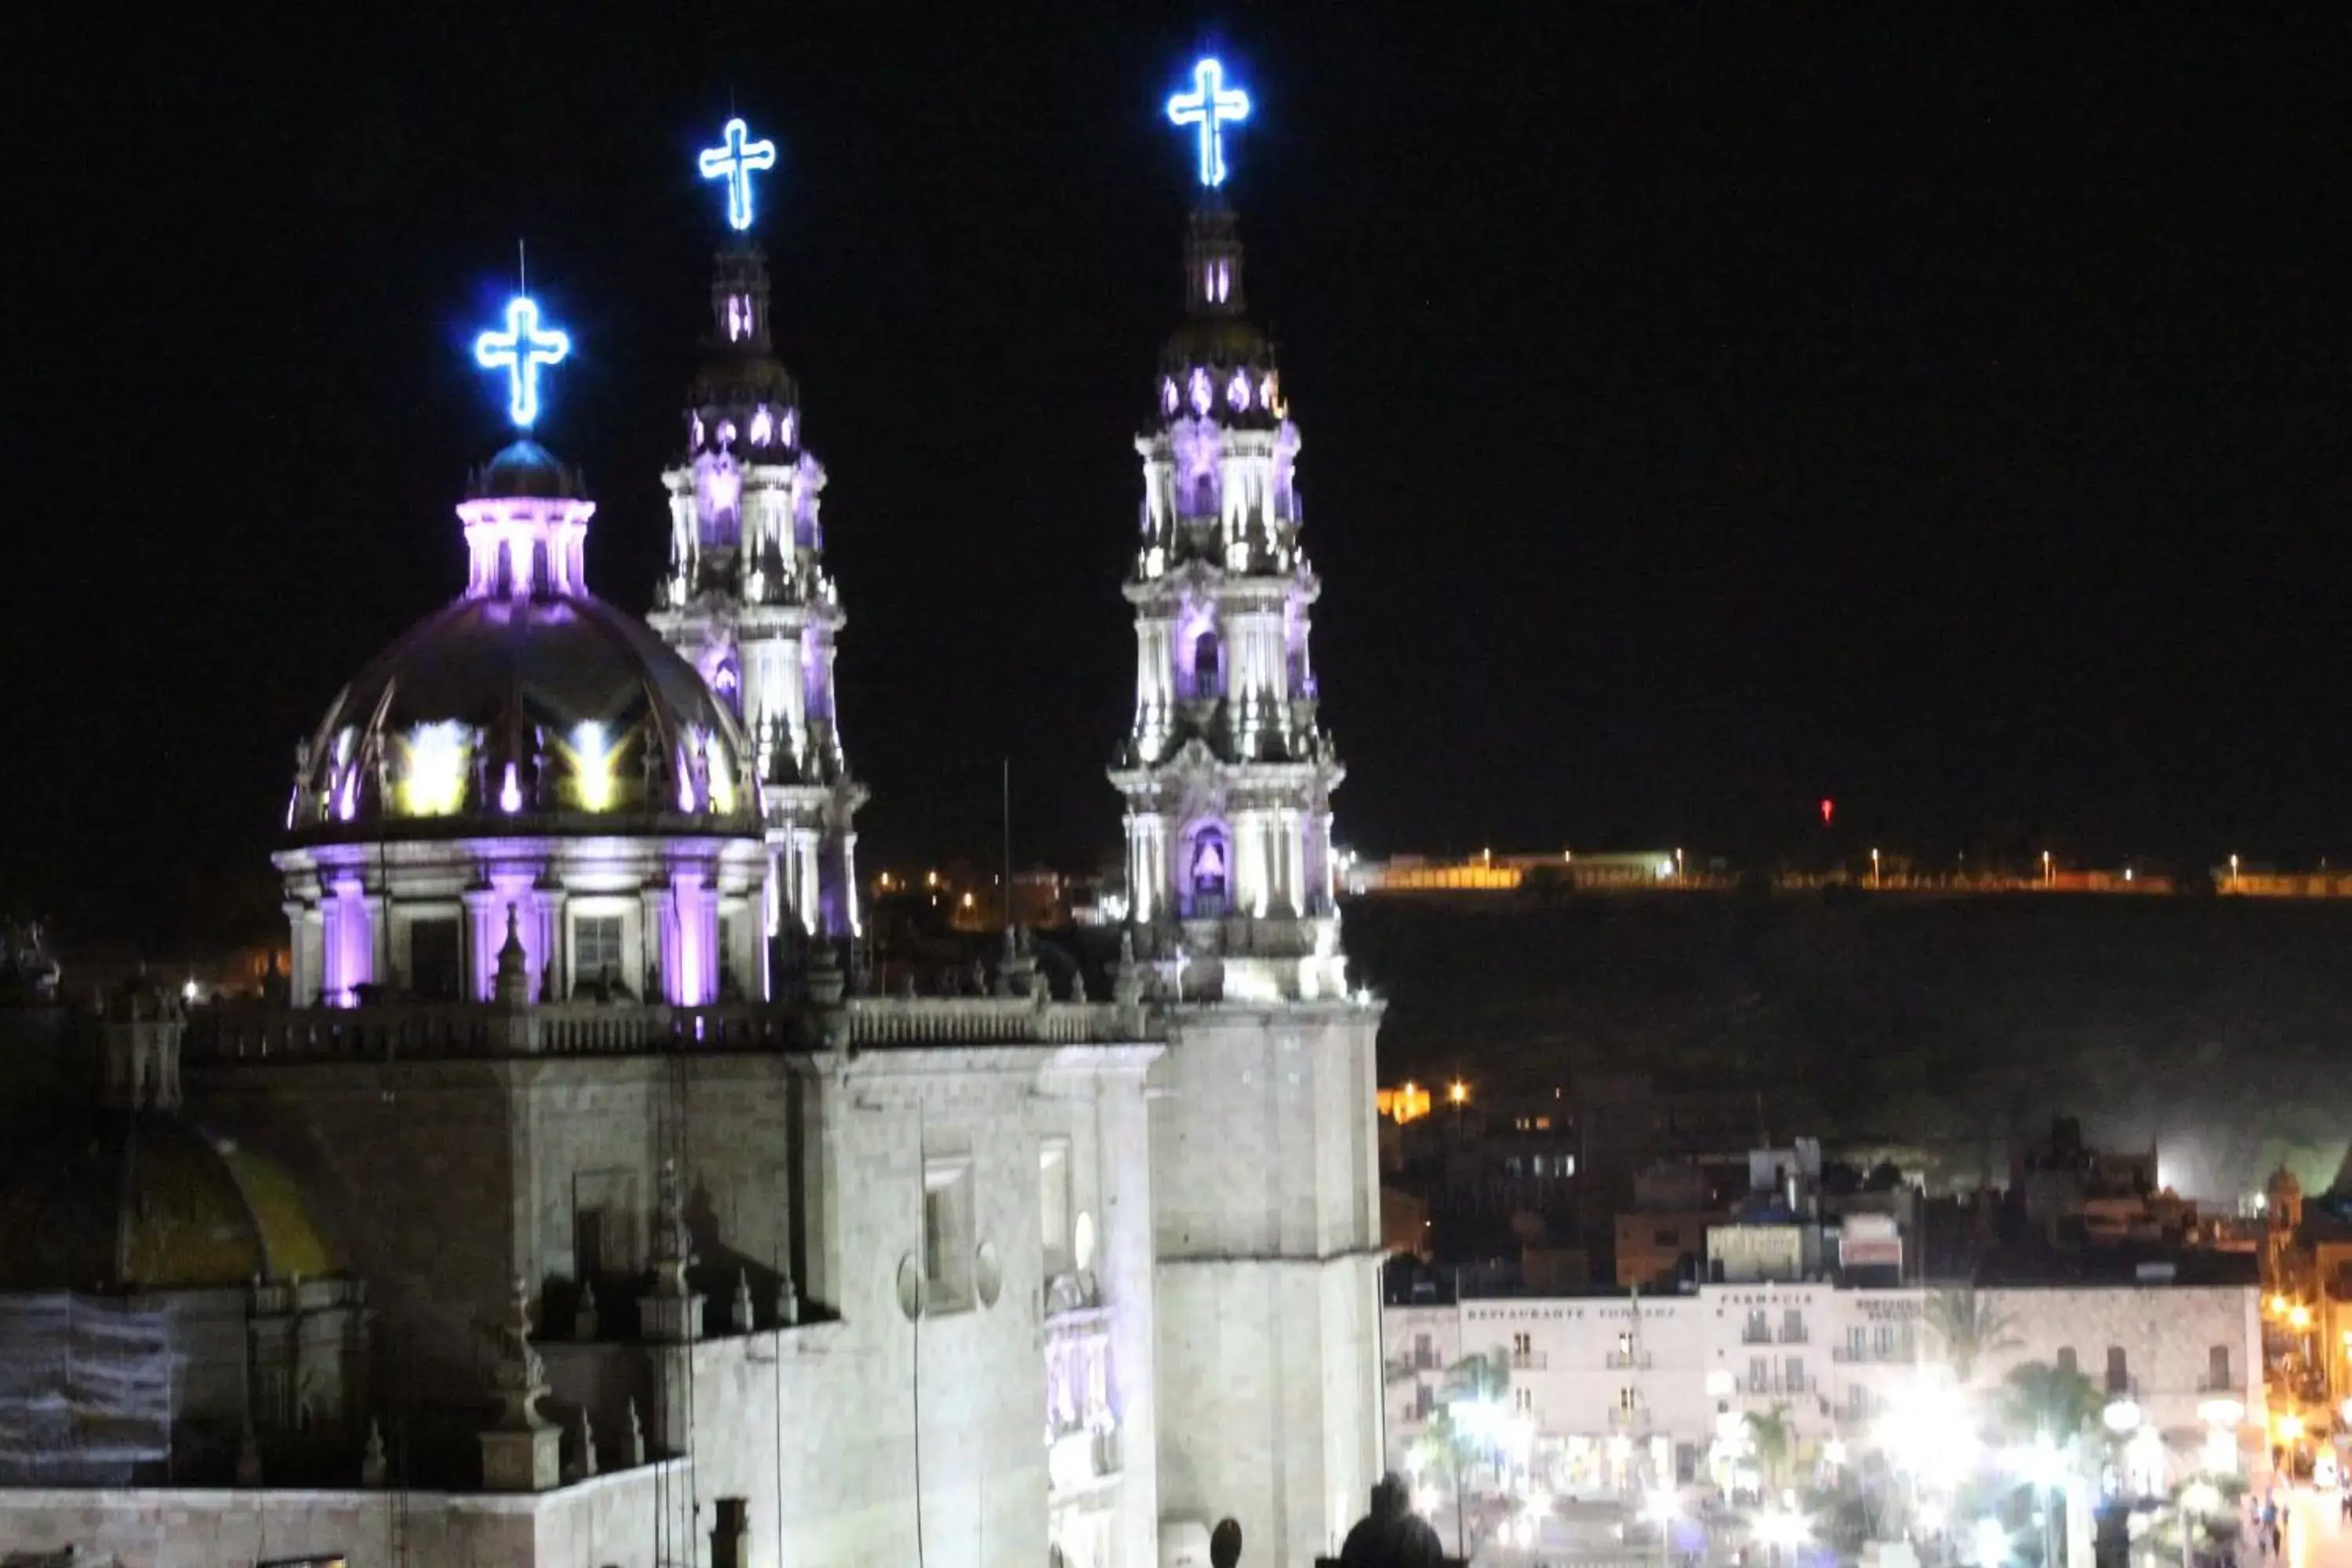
609 1519
1265 1183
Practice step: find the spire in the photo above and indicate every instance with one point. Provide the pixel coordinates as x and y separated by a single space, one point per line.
1226 772
746 597
1212 262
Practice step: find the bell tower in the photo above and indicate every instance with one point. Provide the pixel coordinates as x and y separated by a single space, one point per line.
747 596
1263 1132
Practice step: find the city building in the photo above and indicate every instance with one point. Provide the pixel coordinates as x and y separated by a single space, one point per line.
585 1203
1617 1393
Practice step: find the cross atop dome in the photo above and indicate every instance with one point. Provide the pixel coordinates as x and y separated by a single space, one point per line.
1212 106
734 160
519 351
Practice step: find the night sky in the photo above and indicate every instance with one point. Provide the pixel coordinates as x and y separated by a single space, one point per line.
1701 415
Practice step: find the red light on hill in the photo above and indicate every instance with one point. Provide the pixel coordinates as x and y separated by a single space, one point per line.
1829 810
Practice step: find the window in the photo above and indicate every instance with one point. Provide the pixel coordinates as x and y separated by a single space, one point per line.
1760 1374
2066 1360
435 973
1857 1341
1668 1238
1792 1327
2118 1370
1425 1402
1526 1400
1792 1375
596 948
1625 1399
947 1234
2217 1369
1882 1342
1521 1344
1759 1330
1053 1204
1857 1401
1207 656
1424 1354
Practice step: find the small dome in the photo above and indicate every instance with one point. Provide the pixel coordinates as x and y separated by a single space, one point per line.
558 713
148 1202
527 468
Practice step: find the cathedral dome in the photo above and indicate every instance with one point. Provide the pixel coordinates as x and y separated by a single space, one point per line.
139 1200
535 713
528 706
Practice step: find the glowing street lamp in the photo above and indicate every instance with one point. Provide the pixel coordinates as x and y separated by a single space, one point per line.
1988 1544
1661 1509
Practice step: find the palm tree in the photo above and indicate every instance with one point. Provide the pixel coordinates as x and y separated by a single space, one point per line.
2039 1400
1772 1437
1970 1328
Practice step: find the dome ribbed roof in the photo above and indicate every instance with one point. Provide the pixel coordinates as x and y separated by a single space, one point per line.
145 1200
558 713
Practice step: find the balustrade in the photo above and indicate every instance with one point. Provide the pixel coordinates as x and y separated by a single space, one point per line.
441 1030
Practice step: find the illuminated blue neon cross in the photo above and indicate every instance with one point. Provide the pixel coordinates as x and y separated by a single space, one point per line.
734 162
519 351
1211 108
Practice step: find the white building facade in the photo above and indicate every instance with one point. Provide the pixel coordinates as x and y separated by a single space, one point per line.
1623 1392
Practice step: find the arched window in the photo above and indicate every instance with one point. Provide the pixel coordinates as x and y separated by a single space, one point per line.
1208 874
1208 662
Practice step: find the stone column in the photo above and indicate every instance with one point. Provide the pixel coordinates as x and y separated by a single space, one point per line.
482 931
1125 1267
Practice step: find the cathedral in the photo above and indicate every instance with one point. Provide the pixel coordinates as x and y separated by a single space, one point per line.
590 1201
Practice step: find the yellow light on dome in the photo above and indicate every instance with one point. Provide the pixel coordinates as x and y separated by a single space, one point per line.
719 769
591 755
433 769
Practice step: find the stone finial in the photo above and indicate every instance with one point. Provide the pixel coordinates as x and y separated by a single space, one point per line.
373 1468
520 1379
512 987
585 1324
637 1436
788 1300
587 1447
673 1243
740 1316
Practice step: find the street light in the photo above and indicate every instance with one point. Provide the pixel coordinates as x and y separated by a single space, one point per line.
1783 1528
1659 1510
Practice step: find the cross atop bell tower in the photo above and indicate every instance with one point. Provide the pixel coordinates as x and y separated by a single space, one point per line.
1226 771
747 596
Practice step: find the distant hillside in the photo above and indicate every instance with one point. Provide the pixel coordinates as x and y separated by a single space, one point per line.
2220 1028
